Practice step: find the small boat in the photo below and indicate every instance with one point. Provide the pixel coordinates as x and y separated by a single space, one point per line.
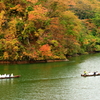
90 75
16 76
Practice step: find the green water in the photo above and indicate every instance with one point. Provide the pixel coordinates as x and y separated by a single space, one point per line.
52 81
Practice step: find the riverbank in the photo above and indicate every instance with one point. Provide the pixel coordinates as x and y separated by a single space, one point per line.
43 61
31 61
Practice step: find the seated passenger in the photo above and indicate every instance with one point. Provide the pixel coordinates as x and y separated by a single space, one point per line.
12 75
7 75
96 72
90 73
4 75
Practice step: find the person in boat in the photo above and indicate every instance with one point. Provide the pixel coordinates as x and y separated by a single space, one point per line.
94 73
85 72
90 73
12 75
7 75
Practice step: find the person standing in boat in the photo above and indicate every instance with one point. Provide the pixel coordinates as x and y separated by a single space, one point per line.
85 72
94 73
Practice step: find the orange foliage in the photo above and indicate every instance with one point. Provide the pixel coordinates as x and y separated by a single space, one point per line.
71 41
2 6
38 13
71 2
46 50
32 1
17 8
56 29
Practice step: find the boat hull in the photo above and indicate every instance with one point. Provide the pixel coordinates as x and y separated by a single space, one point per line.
90 75
16 76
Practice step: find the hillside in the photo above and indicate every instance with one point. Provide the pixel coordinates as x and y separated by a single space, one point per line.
48 29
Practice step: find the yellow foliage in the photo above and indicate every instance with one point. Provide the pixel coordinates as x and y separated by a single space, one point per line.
5 55
75 22
86 42
56 57
40 31
15 48
2 17
36 34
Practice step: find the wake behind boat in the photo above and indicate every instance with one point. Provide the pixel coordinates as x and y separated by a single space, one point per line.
8 76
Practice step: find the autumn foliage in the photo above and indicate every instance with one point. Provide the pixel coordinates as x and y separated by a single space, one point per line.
38 13
45 50
48 29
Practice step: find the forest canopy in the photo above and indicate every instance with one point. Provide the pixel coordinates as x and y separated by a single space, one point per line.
48 29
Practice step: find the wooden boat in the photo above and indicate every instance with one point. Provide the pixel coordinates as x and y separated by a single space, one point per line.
90 75
16 76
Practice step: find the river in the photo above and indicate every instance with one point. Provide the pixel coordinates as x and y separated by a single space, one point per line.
52 81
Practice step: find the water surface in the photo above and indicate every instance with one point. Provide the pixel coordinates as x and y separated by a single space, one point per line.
52 81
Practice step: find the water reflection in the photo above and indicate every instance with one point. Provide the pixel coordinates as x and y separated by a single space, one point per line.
6 81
